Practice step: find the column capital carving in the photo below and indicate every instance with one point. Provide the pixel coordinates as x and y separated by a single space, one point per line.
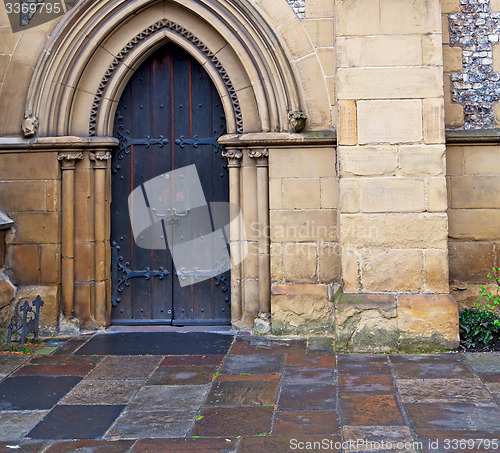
233 156
68 158
261 155
100 158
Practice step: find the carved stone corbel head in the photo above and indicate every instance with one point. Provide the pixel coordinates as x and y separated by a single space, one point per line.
297 120
30 125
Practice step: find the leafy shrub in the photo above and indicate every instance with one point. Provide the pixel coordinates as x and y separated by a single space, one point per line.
490 301
478 326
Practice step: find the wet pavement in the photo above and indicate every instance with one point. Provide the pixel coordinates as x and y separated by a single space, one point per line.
214 392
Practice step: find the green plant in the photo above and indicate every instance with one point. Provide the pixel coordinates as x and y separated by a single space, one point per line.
490 301
478 326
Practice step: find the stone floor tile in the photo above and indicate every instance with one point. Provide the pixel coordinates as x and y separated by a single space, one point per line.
123 367
54 370
243 393
76 422
306 422
71 346
183 360
34 392
182 375
46 350
311 360
252 364
248 377
169 397
233 421
103 391
363 364
66 360
486 362
302 376
185 445
267 346
360 409
442 390
490 378
140 424
322 345
467 416
91 446
307 397
9 362
366 383
413 366
14 425
282 444
373 438
446 441
3 376
24 446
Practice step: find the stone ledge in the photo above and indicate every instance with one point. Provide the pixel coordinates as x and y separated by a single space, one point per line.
280 139
472 136
9 144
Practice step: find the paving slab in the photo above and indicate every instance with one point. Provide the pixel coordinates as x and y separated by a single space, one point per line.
275 444
66 360
252 364
76 422
99 391
91 446
307 397
130 367
14 425
366 409
243 393
24 446
54 370
267 346
70 346
182 375
185 445
427 366
487 362
304 376
371 438
169 397
442 390
9 362
183 360
306 422
157 343
323 345
363 364
140 424
311 360
366 383
234 421
34 392
446 441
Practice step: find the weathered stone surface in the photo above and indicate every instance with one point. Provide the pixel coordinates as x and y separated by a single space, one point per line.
367 161
304 226
474 224
49 313
481 160
347 122
470 261
301 193
410 16
427 322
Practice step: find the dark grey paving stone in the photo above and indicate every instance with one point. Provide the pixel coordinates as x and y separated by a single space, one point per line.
442 390
14 425
363 364
308 397
457 416
34 392
103 391
252 364
429 366
487 362
301 376
76 422
119 367
157 343
142 424
243 393
169 397
69 347
9 362
182 375
320 345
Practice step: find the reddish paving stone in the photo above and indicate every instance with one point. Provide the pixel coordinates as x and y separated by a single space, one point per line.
366 383
306 422
363 364
182 375
282 444
182 360
243 393
308 397
413 366
310 360
268 346
480 416
54 370
66 360
490 378
363 438
185 445
370 410
97 446
442 390
125 367
234 421
22 446
303 376
446 441
248 377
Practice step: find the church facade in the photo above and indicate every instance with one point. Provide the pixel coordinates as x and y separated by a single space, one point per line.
354 140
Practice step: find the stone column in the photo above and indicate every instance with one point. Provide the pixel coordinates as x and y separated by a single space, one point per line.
234 157
263 322
68 160
100 159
